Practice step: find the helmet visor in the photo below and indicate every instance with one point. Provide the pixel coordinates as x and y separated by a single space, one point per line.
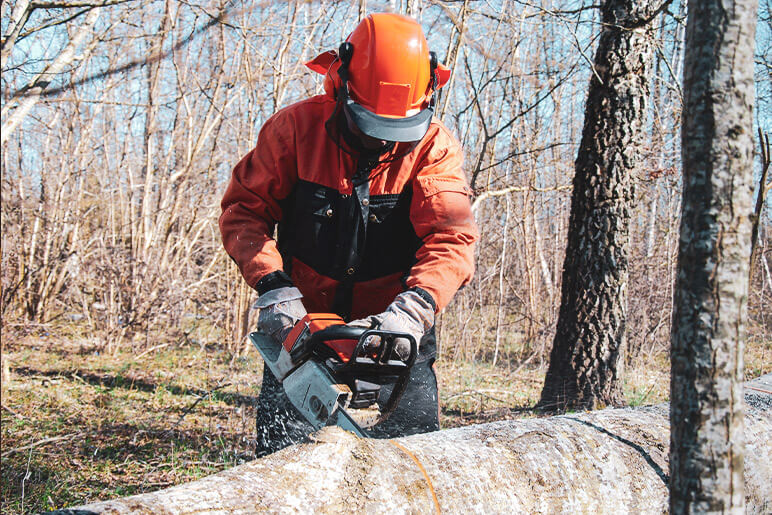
412 128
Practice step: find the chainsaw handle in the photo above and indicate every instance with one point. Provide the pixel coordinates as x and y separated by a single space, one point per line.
360 334
388 342
359 363
336 332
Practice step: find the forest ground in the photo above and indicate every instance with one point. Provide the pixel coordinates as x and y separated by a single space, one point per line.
80 425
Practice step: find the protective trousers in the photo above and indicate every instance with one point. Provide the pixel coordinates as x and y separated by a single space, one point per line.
279 424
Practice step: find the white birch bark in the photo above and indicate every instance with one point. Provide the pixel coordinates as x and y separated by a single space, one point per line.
26 100
19 16
607 461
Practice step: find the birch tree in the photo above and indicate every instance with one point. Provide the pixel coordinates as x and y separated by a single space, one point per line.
82 41
706 449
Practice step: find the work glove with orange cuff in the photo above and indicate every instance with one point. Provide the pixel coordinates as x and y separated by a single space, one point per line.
280 310
410 312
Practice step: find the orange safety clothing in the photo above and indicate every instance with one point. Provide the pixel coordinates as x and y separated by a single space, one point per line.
353 232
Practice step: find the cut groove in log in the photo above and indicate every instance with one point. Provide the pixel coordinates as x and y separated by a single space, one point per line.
608 461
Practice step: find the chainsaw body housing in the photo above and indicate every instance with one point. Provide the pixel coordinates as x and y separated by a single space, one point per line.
332 373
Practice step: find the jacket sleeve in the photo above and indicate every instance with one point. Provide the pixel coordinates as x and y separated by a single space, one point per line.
250 206
442 217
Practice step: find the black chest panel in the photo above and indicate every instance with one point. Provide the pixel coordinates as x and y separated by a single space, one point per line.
349 238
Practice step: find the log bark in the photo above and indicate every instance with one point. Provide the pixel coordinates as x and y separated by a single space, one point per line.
607 461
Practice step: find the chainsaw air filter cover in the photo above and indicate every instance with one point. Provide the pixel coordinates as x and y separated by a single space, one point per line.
295 343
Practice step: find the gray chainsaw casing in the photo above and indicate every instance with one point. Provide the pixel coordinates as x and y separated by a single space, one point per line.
309 386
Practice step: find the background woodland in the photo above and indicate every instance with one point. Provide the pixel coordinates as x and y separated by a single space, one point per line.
125 365
123 118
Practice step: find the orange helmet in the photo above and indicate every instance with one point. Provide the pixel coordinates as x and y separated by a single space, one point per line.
385 77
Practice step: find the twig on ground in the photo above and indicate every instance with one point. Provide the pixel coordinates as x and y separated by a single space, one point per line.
24 479
646 395
151 349
9 410
204 463
483 390
39 443
481 393
75 376
525 362
192 406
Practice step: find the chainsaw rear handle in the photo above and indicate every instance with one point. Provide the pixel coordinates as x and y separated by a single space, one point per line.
386 351
388 342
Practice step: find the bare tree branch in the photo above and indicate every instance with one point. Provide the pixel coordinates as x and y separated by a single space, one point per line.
764 149
131 65
19 17
23 100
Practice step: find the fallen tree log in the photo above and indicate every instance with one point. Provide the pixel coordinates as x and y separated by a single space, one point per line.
612 460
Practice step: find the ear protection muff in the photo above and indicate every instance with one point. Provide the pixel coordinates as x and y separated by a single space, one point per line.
345 53
433 62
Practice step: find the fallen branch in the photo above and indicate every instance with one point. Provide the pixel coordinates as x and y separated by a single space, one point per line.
39 443
12 412
151 349
192 407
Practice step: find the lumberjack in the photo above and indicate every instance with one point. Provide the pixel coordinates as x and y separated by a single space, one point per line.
374 227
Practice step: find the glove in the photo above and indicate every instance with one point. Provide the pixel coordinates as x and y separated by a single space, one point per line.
409 313
280 310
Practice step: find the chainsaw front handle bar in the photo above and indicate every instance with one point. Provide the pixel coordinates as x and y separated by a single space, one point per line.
361 363
337 332
362 334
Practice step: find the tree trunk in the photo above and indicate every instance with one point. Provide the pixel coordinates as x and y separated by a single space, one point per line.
608 461
590 330
712 283
19 16
18 106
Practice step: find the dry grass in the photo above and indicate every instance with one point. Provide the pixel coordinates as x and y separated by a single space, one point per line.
78 426
121 425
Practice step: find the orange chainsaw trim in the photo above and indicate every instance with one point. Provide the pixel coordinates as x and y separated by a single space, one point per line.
315 322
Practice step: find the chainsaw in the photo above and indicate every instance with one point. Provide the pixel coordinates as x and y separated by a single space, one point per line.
334 374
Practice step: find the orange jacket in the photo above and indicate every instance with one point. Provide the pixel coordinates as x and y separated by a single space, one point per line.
347 249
